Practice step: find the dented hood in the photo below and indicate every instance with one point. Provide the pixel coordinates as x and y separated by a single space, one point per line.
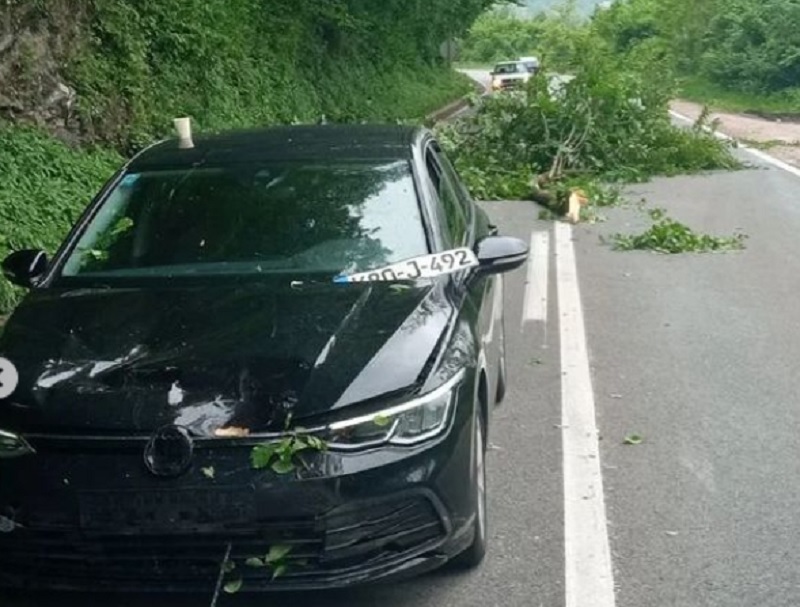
132 360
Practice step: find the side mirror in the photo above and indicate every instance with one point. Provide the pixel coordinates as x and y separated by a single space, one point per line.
24 267
498 254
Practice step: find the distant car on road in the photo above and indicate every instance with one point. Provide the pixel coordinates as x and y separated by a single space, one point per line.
532 63
510 75
272 353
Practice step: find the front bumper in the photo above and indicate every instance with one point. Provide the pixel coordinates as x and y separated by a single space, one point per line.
509 85
351 519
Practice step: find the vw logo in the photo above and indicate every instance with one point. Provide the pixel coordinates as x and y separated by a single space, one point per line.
169 451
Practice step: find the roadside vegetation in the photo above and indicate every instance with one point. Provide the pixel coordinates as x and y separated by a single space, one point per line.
741 55
122 70
608 124
779 104
605 125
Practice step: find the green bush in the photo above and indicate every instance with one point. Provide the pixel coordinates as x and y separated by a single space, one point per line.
750 46
44 187
754 45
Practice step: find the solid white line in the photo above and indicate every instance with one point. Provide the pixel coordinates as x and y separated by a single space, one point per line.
589 578
535 303
755 152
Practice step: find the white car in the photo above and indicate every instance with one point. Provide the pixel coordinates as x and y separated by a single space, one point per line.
532 63
510 75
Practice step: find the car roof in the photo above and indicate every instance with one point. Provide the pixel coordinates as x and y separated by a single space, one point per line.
308 142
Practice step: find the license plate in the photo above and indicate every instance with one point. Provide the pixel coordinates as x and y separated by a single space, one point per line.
166 511
424 266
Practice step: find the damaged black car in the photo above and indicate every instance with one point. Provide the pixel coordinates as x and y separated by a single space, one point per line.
264 359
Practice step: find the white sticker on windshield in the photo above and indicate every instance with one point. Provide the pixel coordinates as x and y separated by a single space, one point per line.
425 266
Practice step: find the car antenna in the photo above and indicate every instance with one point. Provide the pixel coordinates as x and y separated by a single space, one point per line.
184 128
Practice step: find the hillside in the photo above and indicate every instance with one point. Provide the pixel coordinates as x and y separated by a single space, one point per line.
86 83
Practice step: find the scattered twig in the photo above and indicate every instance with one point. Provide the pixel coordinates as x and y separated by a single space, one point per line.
221 575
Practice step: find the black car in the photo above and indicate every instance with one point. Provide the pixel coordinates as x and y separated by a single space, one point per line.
265 357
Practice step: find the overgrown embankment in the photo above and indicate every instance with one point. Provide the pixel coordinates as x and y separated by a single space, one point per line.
99 79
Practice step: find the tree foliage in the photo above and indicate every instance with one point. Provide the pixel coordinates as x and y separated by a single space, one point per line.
747 45
498 36
610 121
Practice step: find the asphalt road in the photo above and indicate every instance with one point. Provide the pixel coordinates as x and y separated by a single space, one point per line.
697 354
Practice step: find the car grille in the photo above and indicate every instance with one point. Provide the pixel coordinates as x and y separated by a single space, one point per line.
343 541
510 84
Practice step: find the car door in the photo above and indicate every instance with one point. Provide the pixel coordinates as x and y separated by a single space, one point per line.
464 224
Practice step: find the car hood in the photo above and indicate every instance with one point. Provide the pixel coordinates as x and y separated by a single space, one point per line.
132 360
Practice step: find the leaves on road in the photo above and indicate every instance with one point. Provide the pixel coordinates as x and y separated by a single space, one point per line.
633 439
670 236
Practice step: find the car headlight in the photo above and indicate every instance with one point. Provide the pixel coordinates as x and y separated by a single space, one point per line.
12 445
408 423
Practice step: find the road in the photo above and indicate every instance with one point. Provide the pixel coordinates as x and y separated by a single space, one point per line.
484 78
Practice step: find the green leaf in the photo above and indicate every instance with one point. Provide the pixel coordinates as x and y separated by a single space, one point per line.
279 571
97 254
208 472
300 443
283 466
381 420
233 586
285 444
316 442
123 225
261 455
277 553
633 439
255 562
228 566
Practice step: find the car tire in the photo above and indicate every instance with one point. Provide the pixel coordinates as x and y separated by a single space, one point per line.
475 553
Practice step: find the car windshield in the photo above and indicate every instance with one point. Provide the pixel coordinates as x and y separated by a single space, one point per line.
506 68
297 217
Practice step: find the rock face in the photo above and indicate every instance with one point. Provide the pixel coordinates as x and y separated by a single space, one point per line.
35 44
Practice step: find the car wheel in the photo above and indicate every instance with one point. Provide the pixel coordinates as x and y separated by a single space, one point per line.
473 556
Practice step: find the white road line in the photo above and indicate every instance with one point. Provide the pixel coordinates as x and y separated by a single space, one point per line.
757 153
535 302
589 578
